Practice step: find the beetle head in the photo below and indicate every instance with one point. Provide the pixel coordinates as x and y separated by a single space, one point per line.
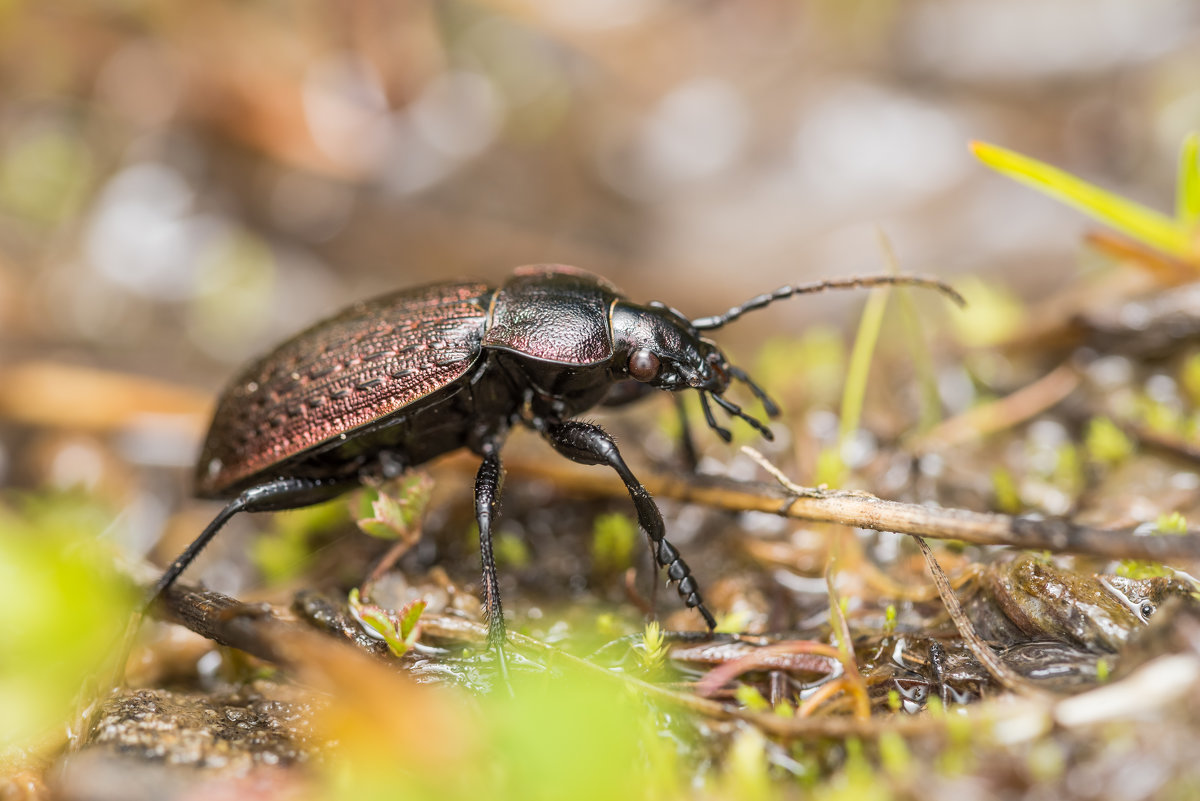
657 345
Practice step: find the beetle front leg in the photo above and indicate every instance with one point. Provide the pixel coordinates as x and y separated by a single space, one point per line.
590 444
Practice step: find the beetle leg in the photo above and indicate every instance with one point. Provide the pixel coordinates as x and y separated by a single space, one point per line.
630 391
286 493
487 493
686 443
590 444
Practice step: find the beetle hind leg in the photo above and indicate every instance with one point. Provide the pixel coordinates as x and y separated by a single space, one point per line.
590 444
286 493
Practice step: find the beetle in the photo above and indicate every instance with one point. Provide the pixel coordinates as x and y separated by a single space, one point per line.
391 383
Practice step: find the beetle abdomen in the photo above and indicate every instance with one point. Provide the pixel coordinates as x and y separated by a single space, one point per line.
370 361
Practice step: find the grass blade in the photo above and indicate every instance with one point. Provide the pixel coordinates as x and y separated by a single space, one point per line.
926 374
1187 184
860 360
1133 219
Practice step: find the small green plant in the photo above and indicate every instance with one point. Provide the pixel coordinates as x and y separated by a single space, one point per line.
894 755
1106 443
733 621
1189 378
1177 235
749 697
613 538
812 366
889 619
654 646
399 629
511 550
1006 491
1171 523
394 511
1142 569
857 373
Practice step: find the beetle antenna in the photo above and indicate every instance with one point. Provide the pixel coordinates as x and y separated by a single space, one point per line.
856 282
712 421
769 406
736 411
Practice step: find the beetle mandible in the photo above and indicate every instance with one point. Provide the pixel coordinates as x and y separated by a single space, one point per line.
391 383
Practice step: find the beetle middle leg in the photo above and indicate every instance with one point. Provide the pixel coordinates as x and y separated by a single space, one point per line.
487 494
590 444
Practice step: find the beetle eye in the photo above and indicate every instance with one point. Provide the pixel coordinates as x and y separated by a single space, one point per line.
643 365
1147 609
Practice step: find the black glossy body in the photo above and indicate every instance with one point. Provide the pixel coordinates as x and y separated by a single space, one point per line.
394 382
391 383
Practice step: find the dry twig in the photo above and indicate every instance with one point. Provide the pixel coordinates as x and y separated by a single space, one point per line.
863 510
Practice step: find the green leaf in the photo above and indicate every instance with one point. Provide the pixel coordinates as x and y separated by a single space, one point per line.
398 629
1132 219
1187 184
750 698
409 617
394 511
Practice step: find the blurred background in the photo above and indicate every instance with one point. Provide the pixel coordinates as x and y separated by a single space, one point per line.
183 185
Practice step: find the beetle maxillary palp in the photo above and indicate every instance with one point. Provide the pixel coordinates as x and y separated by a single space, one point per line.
723 433
736 411
769 406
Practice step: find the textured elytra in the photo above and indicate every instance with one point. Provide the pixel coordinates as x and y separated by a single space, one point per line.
370 361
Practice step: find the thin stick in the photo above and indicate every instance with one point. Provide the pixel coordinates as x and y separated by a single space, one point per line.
863 510
1000 415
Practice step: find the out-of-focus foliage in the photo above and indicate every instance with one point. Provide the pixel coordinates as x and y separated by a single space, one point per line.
65 610
287 548
394 511
613 539
561 735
